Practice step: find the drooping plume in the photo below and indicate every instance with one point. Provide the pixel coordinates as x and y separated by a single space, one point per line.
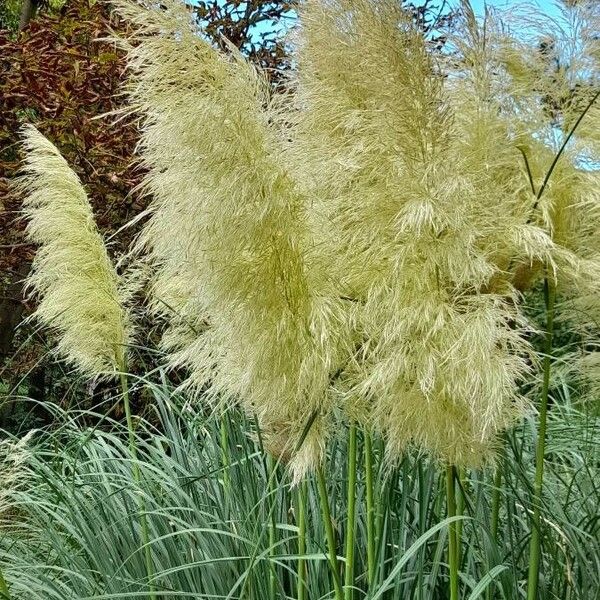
72 276
248 304
543 83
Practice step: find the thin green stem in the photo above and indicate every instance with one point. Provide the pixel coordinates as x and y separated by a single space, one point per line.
224 439
272 486
130 427
137 478
549 299
495 519
331 546
301 512
226 463
460 507
452 532
563 147
535 547
370 508
379 516
529 173
351 516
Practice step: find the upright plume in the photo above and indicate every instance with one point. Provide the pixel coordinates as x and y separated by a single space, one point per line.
235 275
72 275
422 227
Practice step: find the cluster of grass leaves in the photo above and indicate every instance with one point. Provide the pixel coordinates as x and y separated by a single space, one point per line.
223 519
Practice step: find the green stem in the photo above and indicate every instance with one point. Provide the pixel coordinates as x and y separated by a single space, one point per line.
496 503
452 533
137 478
301 511
272 526
351 517
460 507
370 508
130 427
535 547
495 518
225 455
563 148
379 515
549 298
324 501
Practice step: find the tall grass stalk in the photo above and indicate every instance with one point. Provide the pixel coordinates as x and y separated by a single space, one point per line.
549 301
495 516
328 524
272 487
535 547
495 512
351 516
453 558
138 481
370 501
226 460
301 516
460 507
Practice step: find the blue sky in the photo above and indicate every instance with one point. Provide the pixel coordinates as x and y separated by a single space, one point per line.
547 6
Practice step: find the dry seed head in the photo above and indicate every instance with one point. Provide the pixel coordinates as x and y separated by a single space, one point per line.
14 455
72 276
548 83
373 255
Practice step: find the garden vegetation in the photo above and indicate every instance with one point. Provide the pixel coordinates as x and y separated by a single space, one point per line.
380 283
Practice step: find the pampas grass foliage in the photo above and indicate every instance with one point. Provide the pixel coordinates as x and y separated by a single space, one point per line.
363 247
362 244
72 277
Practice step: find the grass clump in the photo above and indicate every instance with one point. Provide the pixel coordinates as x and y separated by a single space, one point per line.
72 530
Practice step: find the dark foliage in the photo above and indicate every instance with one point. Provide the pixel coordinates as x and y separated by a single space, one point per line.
61 76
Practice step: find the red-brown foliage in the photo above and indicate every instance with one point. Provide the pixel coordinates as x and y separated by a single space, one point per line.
60 75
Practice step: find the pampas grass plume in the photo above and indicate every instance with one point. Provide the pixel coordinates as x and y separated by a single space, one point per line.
72 277
422 226
248 306
365 242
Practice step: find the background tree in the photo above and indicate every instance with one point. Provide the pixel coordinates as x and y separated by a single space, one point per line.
59 75
57 72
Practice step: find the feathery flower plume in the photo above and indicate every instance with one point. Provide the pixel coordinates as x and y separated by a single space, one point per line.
426 215
72 275
235 274
14 454
550 95
378 249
